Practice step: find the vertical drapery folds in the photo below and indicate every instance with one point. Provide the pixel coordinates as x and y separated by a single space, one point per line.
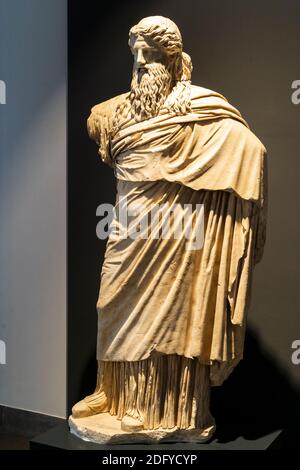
166 391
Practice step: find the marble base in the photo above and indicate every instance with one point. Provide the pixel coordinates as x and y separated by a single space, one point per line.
106 429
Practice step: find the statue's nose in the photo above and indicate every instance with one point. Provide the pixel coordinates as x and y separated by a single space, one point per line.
140 60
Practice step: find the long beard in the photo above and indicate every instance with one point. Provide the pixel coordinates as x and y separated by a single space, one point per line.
149 91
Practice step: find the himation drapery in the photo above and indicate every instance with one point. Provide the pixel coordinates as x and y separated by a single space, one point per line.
160 295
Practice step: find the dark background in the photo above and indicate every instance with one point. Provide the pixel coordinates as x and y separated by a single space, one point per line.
249 51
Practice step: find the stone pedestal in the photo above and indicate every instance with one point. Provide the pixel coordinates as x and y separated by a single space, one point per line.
228 438
106 429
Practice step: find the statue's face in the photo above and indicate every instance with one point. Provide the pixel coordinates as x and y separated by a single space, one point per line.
145 54
151 79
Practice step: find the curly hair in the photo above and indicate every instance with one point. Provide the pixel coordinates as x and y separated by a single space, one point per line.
163 33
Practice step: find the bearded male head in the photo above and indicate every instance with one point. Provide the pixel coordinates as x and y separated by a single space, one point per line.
161 71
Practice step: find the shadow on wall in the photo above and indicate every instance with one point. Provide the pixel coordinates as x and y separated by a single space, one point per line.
257 399
89 377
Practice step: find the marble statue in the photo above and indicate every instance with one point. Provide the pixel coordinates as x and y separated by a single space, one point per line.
171 312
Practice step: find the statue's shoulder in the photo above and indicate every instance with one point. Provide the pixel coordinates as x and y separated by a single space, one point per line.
198 92
107 108
215 105
100 121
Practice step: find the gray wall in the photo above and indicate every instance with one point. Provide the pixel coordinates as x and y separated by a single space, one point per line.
33 64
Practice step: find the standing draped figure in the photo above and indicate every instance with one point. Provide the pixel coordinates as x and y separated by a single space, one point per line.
172 305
